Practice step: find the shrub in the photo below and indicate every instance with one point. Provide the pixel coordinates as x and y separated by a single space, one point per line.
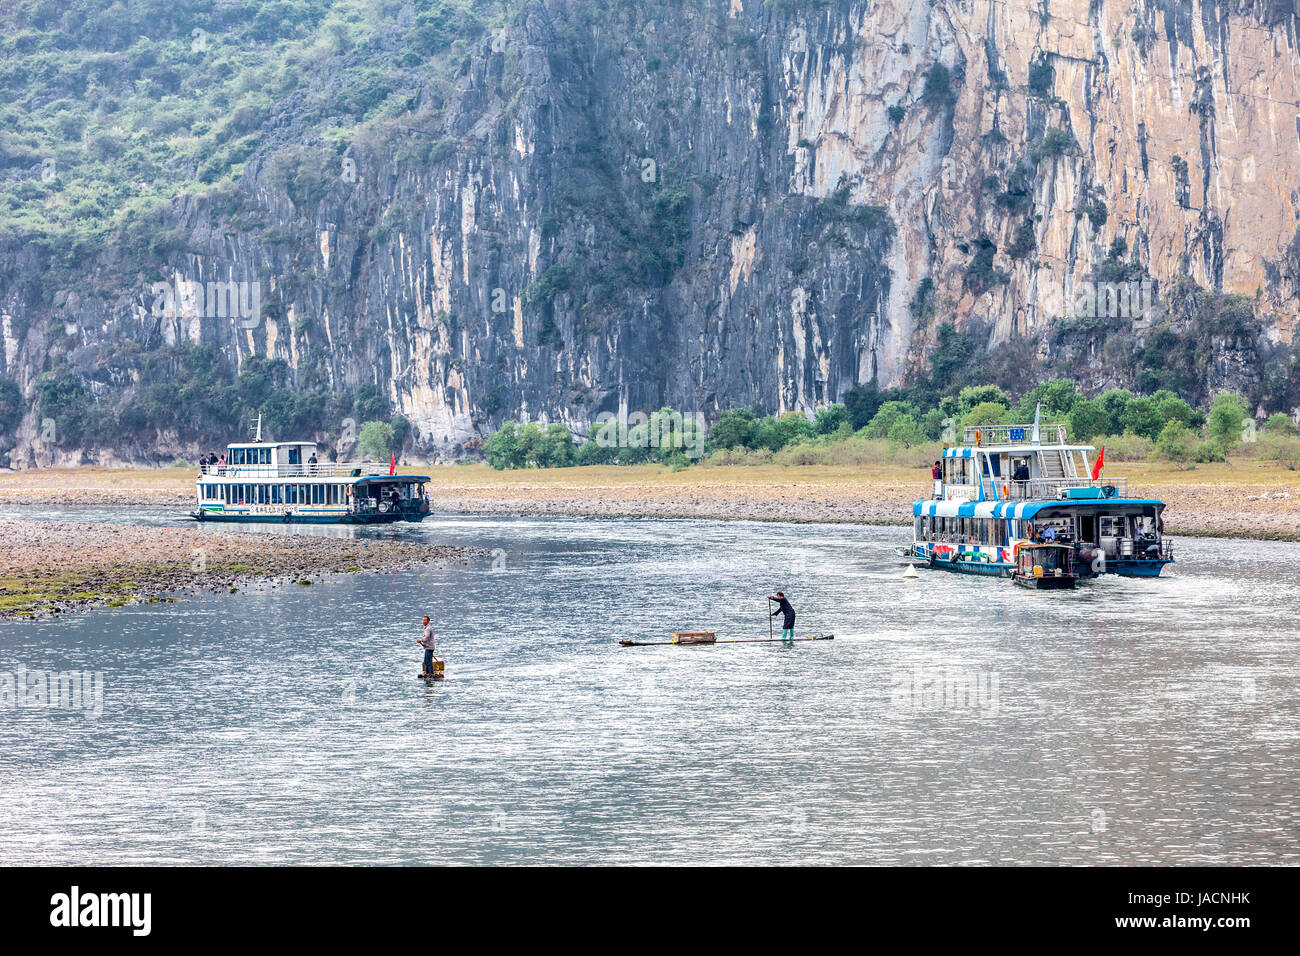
1281 424
1127 447
1282 447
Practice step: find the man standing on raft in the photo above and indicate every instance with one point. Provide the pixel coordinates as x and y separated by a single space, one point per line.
783 607
426 641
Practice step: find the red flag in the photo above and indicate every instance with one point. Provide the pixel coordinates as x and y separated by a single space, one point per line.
392 465
1099 463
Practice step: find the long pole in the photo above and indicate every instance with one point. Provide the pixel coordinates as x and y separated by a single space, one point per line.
769 618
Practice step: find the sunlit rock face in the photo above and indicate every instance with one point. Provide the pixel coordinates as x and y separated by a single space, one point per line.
722 204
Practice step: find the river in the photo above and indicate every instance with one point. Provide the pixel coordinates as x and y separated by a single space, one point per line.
952 720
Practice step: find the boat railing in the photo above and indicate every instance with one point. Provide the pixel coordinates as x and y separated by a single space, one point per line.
323 469
1052 488
1013 434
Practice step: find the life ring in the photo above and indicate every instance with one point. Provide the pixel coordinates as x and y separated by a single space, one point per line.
383 507
1029 530
1006 490
349 488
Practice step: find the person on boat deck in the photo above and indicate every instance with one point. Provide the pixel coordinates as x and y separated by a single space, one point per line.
426 641
221 465
396 499
937 471
783 607
1048 534
1021 473
312 461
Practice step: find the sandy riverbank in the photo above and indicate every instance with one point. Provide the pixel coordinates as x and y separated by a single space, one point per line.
1247 498
49 567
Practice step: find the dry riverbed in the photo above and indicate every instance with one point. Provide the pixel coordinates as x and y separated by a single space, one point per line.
1247 498
49 567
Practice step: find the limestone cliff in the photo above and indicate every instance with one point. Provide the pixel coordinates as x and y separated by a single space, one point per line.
713 204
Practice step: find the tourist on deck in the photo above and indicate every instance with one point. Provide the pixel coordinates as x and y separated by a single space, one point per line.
221 465
426 641
937 474
312 461
783 608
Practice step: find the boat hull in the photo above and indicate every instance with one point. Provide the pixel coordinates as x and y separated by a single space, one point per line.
1052 582
306 518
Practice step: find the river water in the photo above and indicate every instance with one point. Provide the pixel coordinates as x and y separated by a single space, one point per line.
952 720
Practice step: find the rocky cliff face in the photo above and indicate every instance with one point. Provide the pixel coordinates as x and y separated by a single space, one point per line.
709 205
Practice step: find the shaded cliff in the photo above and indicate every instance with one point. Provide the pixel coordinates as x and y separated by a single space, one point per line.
705 205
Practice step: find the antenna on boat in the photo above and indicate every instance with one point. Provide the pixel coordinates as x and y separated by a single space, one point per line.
1038 410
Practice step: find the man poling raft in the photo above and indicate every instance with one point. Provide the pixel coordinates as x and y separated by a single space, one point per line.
689 638
783 608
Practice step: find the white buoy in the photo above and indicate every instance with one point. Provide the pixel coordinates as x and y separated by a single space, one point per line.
910 572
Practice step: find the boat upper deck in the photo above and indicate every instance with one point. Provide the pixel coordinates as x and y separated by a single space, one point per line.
270 460
1002 463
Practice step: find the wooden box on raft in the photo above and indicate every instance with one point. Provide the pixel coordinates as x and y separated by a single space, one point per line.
694 637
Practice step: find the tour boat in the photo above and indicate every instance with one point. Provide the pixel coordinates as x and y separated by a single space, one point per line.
1004 489
283 481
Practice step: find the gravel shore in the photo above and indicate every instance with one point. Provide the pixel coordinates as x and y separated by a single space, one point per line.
49 567
1248 499
1218 510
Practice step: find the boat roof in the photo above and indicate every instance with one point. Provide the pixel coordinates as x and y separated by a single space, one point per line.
1018 509
967 451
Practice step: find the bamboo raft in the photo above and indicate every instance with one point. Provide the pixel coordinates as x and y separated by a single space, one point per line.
708 637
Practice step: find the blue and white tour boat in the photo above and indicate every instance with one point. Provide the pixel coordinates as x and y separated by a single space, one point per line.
1005 489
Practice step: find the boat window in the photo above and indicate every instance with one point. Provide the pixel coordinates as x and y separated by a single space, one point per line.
295 456
1112 526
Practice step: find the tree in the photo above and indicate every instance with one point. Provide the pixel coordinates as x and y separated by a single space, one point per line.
1115 403
556 447
1227 415
1142 418
1175 443
502 449
1088 419
906 431
1169 407
1057 398
974 395
884 419
11 405
735 429
375 439
986 413
829 419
